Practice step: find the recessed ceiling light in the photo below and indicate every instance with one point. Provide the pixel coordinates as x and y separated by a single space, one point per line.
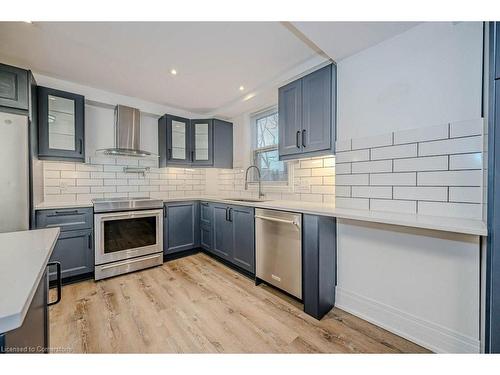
28 21
173 72
242 88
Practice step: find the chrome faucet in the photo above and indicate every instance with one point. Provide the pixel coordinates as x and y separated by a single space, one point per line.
261 194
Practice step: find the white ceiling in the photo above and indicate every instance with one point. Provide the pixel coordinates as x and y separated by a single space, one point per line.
212 58
343 39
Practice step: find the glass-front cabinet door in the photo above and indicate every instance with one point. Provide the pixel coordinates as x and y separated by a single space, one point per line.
61 125
202 134
178 129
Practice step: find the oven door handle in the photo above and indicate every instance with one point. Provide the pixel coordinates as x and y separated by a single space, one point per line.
131 215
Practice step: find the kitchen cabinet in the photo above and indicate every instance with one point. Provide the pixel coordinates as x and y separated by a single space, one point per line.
497 50
242 219
61 125
181 229
174 140
223 232
195 143
75 251
206 229
33 335
13 87
306 115
202 143
319 265
74 248
234 235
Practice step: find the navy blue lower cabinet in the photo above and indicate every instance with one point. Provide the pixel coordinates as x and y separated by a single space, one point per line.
75 251
319 264
243 222
222 245
181 229
33 335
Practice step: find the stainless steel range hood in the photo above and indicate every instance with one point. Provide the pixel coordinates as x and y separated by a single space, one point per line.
127 133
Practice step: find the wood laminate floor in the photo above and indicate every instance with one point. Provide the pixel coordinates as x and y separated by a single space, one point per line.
197 305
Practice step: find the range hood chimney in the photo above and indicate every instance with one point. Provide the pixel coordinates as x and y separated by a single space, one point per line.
127 133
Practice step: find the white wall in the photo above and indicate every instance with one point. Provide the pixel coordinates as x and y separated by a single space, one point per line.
427 76
414 283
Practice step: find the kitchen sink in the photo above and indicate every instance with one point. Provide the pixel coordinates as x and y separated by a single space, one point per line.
250 200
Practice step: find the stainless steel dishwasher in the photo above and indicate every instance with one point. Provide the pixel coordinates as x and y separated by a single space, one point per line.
278 256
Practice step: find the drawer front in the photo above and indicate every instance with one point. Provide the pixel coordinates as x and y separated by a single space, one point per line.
66 219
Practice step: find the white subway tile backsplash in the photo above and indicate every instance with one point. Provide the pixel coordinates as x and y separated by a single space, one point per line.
88 182
407 207
329 180
372 166
466 161
463 210
450 178
312 163
431 163
127 189
469 194
58 166
322 189
354 203
394 152
401 179
424 193
329 162
466 128
323 171
429 133
343 145
372 192
451 146
373 141
74 174
51 174
343 191
348 156
343 168
352 179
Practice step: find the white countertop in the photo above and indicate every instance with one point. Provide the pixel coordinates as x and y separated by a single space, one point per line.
446 224
23 258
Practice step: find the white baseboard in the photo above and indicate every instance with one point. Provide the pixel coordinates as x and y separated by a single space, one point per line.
427 334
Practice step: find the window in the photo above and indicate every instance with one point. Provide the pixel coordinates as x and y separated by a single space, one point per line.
265 154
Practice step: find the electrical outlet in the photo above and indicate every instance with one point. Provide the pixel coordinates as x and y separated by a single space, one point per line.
63 185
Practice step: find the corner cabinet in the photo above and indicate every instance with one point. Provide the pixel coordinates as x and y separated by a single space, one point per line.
181 227
195 143
306 115
13 87
61 125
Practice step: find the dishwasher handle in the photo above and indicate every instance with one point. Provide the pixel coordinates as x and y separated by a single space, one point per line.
292 222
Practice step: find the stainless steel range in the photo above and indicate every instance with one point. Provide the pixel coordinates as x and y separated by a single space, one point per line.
128 235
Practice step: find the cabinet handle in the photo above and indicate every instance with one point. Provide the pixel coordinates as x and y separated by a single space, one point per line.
297 136
90 241
227 212
81 146
169 156
64 213
59 282
164 211
231 214
304 138
192 156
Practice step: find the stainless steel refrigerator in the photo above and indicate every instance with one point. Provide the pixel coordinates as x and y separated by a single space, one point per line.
14 172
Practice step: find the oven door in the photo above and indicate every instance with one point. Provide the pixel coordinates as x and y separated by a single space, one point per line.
124 235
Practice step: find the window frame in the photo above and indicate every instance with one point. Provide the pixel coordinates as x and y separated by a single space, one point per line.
280 185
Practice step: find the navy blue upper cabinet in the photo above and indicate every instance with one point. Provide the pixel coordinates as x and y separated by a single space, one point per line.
201 142
181 226
290 118
13 87
174 140
195 143
61 125
307 115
